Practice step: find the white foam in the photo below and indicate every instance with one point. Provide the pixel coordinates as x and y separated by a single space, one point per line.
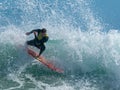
13 36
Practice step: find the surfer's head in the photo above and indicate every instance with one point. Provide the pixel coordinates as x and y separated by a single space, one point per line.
43 30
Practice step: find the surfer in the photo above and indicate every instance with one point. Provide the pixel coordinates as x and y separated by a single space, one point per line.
40 38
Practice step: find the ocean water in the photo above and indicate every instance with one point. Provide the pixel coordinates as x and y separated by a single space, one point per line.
81 43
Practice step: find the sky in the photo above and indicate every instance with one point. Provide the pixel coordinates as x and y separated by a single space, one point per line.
109 11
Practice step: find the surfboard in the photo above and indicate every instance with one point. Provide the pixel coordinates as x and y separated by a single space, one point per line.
44 61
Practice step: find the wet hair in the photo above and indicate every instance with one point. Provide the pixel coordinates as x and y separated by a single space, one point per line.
43 30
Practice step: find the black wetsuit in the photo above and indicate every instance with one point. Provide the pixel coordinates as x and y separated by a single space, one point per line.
38 43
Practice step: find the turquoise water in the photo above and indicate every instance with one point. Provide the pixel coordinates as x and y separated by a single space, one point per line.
80 43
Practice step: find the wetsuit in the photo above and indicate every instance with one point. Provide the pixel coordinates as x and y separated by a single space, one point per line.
39 40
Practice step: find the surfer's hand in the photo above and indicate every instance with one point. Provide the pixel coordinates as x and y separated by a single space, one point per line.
35 33
27 33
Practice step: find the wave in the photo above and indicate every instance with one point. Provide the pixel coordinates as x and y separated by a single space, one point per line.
78 44
92 56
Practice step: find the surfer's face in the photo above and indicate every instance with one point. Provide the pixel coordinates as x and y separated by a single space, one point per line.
43 33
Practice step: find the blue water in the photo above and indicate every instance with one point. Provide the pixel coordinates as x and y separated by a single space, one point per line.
84 41
108 11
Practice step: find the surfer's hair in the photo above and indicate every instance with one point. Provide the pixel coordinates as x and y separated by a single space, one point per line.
43 30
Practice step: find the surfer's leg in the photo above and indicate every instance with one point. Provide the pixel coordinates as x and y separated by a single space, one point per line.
42 48
31 42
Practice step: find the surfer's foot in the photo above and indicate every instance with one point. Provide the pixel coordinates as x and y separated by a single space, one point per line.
37 56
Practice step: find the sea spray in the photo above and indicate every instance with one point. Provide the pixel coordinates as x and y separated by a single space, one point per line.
77 43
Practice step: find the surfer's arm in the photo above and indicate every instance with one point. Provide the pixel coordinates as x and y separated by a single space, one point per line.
33 31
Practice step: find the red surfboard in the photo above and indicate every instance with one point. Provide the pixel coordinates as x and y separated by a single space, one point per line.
44 61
